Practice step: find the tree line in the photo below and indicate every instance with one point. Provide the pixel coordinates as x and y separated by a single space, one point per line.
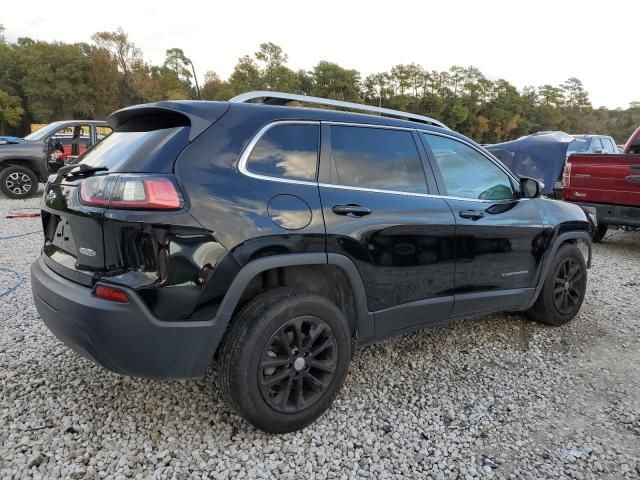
45 81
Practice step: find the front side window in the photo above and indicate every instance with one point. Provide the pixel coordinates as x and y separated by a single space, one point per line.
287 151
467 173
376 158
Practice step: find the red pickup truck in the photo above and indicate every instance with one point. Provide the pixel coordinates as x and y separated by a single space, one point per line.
608 185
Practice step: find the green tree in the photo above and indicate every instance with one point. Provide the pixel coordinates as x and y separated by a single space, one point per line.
54 79
128 57
246 76
10 111
576 98
551 96
177 61
377 88
330 80
273 69
213 86
106 83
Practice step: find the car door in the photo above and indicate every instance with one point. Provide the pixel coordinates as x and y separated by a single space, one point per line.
498 235
379 213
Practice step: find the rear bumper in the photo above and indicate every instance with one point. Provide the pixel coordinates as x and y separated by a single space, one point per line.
123 337
614 214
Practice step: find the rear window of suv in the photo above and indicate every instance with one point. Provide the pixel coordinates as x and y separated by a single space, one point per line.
138 151
376 158
287 151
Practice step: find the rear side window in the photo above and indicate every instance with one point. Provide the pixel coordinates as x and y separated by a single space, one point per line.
102 131
287 151
467 173
609 146
596 144
376 158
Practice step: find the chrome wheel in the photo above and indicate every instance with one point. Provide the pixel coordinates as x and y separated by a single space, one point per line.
18 183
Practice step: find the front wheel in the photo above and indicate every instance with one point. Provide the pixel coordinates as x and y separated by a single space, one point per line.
564 288
599 234
17 181
284 359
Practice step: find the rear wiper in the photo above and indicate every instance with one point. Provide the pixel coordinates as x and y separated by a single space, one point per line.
80 169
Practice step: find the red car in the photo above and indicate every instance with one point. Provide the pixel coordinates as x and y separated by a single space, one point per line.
608 185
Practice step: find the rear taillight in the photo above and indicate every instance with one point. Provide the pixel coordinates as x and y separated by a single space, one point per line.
143 192
110 293
566 175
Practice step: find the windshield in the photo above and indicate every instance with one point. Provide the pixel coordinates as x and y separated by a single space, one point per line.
578 146
44 131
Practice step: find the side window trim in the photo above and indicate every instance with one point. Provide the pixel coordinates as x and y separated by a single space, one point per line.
325 159
246 153
440 180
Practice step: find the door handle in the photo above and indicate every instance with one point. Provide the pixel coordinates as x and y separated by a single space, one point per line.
471 214
351 210
633 178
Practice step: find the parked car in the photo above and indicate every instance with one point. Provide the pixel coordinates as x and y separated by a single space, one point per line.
540 156
25 163
4 139
592 144
607 185
273 240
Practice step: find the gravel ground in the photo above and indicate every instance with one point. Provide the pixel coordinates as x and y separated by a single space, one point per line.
497 397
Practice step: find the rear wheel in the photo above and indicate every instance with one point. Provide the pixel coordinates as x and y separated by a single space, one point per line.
564 288
600 232
284 359
17 181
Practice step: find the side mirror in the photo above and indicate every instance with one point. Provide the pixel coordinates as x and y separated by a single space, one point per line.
599 151
530 187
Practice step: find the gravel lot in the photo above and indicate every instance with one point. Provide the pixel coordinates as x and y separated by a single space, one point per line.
497 397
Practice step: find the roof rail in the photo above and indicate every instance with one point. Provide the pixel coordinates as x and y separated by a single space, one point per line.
280 98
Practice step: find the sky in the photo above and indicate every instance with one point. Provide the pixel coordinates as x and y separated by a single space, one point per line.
526 42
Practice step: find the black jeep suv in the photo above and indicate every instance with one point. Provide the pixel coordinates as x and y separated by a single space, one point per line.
274 239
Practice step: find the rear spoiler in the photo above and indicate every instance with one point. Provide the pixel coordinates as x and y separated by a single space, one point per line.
198 115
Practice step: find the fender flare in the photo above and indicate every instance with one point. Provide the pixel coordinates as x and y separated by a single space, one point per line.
363 323
551 253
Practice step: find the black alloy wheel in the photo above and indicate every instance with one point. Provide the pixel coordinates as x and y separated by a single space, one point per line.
567 286
564 288
298 364
284 359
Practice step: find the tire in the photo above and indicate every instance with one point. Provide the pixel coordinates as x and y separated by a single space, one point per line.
260 369
569 268
599 234
17 181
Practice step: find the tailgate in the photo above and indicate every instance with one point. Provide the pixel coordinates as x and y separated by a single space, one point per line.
73 232
610 179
